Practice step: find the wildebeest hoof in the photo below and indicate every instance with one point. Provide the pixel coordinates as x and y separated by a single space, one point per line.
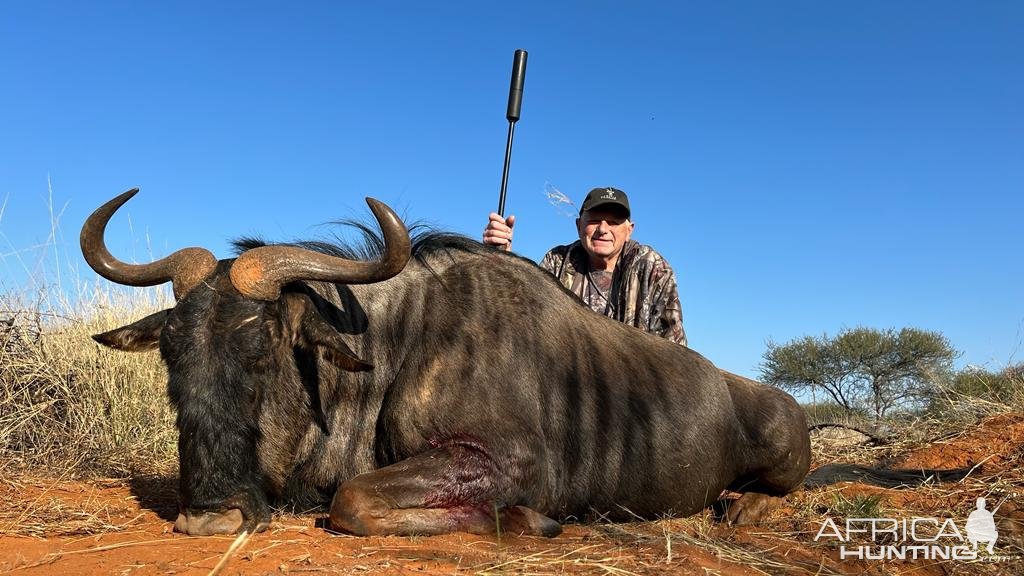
523 520
211 523
750 508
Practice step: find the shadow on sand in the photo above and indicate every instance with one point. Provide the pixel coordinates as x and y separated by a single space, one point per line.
157 493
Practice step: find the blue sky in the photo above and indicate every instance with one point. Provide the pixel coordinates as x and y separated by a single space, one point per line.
804 166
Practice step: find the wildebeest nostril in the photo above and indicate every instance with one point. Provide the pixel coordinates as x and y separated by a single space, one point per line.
210 523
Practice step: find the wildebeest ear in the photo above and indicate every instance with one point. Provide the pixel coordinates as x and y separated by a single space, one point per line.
329 341
315 332
138 336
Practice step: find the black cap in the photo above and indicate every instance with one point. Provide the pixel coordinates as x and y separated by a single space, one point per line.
605 196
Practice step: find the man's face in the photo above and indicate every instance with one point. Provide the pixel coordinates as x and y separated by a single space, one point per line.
603 231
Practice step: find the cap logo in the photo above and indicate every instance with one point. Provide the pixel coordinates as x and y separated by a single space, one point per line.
609 194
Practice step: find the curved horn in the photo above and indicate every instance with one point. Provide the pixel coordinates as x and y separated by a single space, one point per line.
260 272
185 268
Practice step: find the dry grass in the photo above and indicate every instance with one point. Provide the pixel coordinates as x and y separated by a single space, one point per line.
69 406
55 512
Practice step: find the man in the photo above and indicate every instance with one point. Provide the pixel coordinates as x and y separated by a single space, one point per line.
609 272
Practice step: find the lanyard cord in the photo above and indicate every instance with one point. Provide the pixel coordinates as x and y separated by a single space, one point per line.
607 299
588 280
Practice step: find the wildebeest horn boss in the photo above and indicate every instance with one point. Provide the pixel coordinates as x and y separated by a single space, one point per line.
184 269
436 385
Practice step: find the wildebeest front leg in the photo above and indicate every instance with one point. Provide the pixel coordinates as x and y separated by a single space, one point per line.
450 489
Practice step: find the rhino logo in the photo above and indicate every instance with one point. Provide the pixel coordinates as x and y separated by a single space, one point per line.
981 526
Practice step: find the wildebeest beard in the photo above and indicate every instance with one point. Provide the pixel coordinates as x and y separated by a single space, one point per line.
463 390
218 398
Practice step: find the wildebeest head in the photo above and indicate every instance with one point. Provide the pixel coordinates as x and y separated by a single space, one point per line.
234 346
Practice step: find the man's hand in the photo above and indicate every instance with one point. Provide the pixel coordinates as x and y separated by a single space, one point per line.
498 232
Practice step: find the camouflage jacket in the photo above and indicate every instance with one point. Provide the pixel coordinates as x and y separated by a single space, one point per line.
644 292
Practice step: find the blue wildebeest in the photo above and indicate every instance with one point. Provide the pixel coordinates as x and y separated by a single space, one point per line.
436 385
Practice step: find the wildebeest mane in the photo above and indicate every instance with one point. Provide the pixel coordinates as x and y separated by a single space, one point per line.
426 241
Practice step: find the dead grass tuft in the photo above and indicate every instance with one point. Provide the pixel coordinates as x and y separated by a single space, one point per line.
71 407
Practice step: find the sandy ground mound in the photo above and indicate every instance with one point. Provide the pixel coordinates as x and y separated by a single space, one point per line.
52 526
